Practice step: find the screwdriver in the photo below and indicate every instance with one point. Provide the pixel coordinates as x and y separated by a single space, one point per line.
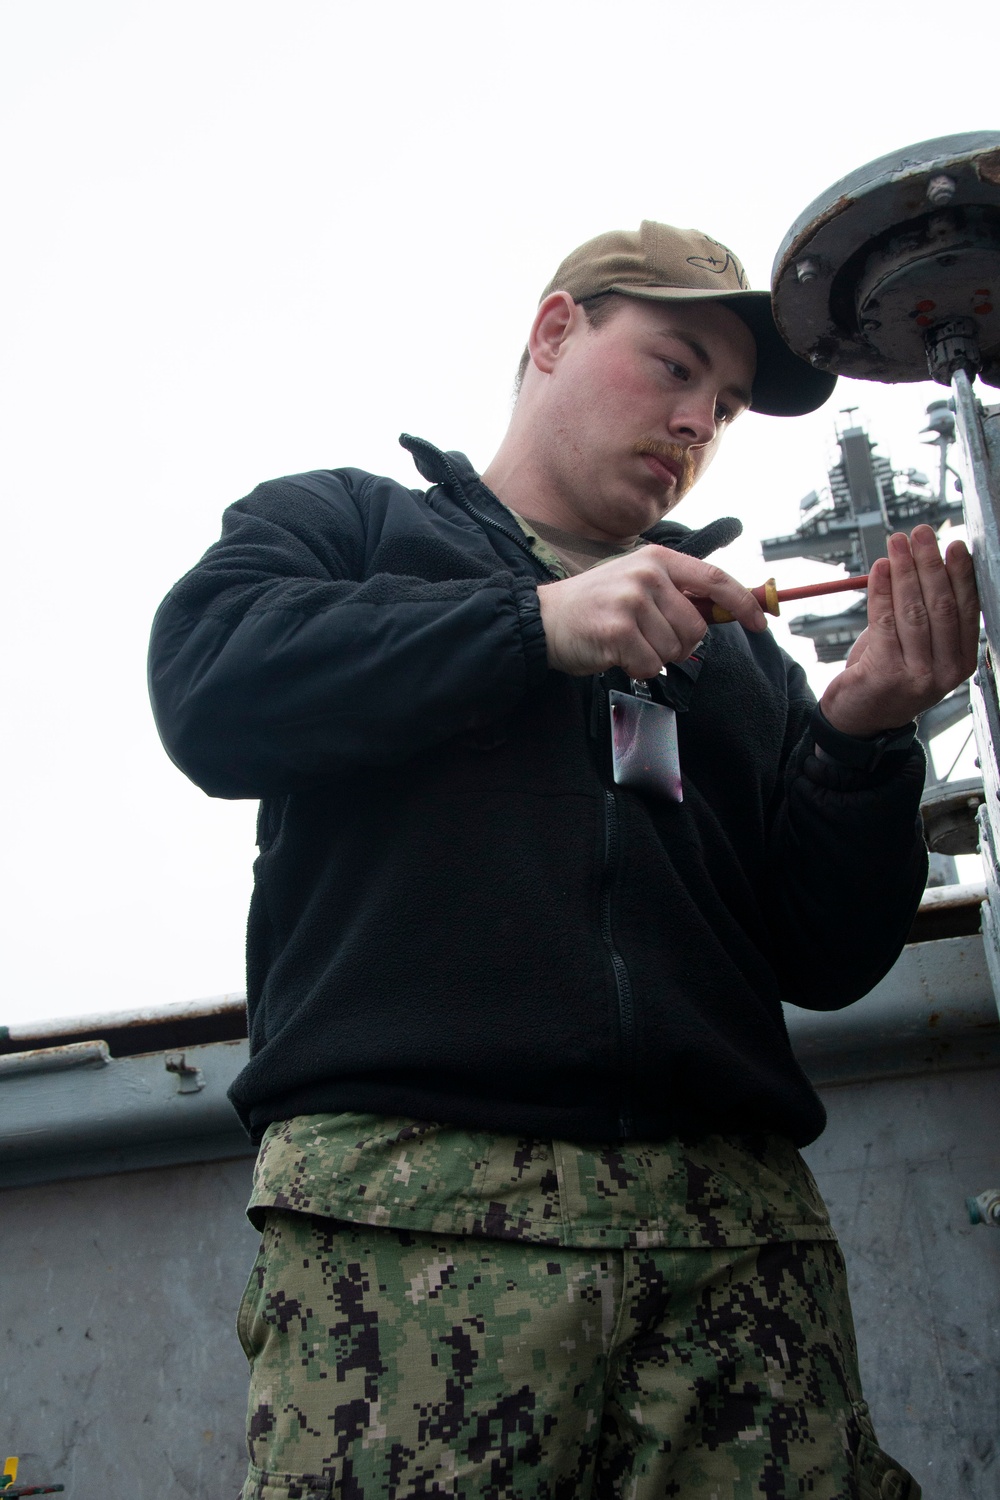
769 598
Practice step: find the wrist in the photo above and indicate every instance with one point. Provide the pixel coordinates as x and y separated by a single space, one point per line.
847 717
861 752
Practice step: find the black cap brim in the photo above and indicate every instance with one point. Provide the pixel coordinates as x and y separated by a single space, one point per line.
785 385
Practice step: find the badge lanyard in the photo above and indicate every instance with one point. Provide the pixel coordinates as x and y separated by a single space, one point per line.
644 751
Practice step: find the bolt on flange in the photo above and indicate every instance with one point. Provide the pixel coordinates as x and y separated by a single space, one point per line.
941 189
951 346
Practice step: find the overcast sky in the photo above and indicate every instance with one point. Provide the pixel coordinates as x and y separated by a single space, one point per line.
249 239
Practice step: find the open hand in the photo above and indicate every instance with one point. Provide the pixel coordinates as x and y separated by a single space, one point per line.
921 641
633 612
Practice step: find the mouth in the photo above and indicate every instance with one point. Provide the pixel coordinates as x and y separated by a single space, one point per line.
671 465
666 470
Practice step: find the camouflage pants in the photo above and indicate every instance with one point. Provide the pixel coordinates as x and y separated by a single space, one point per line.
390 1364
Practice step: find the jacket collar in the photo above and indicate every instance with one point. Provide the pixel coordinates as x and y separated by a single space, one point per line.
455 472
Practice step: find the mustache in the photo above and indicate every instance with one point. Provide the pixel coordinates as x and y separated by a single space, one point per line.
675 454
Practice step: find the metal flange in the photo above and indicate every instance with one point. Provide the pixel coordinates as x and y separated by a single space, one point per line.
948 810
893 273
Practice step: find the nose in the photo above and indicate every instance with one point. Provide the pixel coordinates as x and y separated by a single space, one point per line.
692 421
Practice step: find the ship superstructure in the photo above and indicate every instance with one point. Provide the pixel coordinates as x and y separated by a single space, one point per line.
848 522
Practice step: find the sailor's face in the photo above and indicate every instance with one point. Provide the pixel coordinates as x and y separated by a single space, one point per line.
639 405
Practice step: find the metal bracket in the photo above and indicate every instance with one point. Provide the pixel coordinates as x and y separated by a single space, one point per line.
190 1080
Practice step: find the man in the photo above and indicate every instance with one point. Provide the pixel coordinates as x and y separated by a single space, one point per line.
534 1223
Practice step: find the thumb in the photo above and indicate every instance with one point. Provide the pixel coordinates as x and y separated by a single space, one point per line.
858 650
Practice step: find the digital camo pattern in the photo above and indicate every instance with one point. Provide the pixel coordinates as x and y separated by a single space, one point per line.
541 549
388 1364
367 1169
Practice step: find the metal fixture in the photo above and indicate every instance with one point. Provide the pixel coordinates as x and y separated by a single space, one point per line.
984 1208
190 1080
949 810
952 346
941 190
898 255
908 256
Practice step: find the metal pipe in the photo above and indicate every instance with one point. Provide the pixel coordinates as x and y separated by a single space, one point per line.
14 1491
54 1060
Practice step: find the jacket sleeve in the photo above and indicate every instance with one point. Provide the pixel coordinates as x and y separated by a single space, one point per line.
284 659
846 857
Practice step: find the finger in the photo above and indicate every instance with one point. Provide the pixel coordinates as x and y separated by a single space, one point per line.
858 650
958 562
690 575
910 616
646 621
672 626
649 602
678 611
641 657
939 601
881 630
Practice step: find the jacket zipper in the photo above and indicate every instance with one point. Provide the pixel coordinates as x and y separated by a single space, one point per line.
623 984
483 519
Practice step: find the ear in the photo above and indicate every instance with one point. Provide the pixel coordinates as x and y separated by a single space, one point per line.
555 320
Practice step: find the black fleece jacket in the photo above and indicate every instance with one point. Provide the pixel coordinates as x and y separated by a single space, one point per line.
457 915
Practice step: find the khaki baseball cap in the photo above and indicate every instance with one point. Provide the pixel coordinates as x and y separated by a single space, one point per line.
658 263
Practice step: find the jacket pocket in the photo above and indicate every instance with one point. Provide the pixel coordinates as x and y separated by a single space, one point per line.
879 1477
247 1311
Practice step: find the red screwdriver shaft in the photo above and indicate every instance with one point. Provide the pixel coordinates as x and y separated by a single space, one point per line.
813 590
769 597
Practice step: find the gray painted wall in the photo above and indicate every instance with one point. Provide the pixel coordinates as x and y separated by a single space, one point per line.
125 1250
122 1378
895 1164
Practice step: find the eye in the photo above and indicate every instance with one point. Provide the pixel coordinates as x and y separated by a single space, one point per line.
724 413
677 370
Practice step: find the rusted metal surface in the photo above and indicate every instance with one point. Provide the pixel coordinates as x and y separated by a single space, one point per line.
793 251
988 167
948 911
129 1033
900 252
55 1059
949 811
134 1113
150 1015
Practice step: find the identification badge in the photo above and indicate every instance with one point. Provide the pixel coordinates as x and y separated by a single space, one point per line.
644 752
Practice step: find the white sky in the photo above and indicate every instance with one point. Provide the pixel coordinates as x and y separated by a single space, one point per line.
243 240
